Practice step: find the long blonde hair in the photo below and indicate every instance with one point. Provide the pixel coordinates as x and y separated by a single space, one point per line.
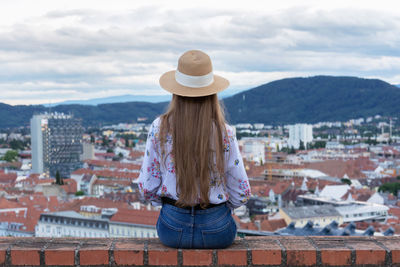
197 127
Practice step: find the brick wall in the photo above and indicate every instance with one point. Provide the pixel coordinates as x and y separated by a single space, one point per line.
251 251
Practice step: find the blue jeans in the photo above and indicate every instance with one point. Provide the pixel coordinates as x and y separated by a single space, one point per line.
183 228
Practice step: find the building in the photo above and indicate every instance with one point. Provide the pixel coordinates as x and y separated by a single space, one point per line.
88 151
254 149
56 144
318 215
134 223
70 224
351 211
300 132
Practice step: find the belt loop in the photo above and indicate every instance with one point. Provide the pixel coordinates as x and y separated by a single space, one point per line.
192 211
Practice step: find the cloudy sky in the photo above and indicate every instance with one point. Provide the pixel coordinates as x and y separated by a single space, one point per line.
56 50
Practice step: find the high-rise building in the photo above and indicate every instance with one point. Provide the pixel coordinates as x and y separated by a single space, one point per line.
56 141
300 132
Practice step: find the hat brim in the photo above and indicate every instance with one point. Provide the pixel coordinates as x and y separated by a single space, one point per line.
168 82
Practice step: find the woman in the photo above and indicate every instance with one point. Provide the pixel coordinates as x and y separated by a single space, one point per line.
192 164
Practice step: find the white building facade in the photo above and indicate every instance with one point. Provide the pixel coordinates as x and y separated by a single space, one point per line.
70 224
300 132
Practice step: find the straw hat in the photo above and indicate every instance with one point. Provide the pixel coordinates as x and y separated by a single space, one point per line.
193 77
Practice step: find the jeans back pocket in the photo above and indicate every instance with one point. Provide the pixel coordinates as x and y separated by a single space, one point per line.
220 237
169 235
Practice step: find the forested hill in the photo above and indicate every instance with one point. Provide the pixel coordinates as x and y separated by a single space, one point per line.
313 99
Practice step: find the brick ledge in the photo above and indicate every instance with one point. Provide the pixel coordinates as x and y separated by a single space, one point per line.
250 251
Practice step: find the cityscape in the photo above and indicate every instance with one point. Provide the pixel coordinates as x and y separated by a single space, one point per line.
61 179
309 91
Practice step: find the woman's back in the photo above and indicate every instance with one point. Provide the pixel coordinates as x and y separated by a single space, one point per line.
192 164
158 174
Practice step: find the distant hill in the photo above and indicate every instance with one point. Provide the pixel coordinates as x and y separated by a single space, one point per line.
313 99
115 99
126 98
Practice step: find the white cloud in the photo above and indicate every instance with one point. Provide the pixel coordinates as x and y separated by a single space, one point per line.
63 50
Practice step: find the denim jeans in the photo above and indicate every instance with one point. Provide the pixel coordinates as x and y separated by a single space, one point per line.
183 228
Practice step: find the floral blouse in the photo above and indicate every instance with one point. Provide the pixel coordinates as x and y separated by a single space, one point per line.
158 180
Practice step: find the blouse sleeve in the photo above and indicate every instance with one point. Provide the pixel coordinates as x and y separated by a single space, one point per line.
237 181
149 179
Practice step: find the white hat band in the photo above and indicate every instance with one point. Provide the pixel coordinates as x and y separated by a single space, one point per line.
194 81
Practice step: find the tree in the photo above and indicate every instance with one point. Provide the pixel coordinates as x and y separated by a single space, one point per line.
79 193
346 181
92 139
105 141
301 147
17 144
126 138
10 156
390 187
59 180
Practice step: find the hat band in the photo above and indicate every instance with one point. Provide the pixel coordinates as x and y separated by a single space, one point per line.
194 81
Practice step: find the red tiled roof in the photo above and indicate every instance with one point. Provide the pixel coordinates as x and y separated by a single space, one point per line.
109 174
146 217
7 178
7 204
76 204
70 186
338 168
272 225
136 154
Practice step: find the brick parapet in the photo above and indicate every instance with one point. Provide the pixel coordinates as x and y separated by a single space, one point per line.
249 251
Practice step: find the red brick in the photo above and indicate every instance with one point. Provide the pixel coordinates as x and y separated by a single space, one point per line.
367 252
161 255
21 256
299 251
265 250
2 256
235 255
392 243
59 257
334 257
197 257
93 256
232 257
128 253
94 251
333 251
61 251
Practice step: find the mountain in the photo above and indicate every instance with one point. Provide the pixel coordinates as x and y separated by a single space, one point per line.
314 99
292 100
